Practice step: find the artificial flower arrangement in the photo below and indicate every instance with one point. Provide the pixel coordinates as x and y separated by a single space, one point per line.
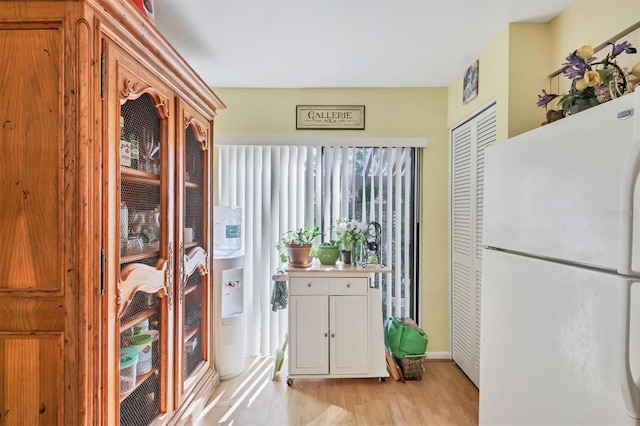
349 232
592 82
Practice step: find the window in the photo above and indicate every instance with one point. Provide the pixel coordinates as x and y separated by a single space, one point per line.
286 187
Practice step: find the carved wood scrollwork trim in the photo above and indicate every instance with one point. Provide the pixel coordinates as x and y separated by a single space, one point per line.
140 277
132 90
199 130
196 260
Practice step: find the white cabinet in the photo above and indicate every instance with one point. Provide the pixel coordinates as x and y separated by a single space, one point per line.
309 352
335 323
349 331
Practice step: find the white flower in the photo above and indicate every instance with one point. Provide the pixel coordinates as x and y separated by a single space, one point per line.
350 231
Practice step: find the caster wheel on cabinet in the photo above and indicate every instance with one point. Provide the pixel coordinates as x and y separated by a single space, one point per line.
289 382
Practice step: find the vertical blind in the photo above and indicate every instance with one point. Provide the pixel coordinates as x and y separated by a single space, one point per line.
280 188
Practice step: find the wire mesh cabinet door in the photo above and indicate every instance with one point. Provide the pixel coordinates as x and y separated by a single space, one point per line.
139 278
193 172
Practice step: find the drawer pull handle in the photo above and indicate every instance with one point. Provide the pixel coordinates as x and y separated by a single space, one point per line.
309 285
348 285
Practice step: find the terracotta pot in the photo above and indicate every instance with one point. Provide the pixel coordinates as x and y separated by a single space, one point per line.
553 115
299 255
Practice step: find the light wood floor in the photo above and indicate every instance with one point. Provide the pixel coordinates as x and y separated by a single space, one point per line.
444 396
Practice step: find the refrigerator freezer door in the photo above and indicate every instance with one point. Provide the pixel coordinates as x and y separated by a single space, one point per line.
553 344
557 191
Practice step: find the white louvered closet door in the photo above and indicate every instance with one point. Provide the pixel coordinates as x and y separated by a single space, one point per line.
468 142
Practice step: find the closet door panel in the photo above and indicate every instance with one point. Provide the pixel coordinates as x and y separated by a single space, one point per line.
468 142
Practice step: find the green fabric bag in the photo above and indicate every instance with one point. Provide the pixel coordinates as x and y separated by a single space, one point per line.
404 340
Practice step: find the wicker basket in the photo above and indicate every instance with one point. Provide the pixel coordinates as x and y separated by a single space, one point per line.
412 368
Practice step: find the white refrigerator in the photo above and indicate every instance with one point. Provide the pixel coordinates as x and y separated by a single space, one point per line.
560 299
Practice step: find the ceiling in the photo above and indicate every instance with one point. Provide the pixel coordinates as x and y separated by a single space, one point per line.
338 43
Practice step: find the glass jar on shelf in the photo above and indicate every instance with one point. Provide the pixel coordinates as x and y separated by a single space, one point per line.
149 152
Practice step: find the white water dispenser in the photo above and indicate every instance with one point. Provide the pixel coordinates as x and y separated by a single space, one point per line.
229 336
227 231
228 269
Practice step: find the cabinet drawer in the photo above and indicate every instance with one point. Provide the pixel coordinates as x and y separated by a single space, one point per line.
348 285
309 285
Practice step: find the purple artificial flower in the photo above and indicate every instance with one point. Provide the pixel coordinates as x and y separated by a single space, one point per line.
576 67
573 59
622 47
572 71
545 98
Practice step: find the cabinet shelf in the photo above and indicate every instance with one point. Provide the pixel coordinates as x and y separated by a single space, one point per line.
139 380
134 257
138 317
189 333
191 244
190 289
137 176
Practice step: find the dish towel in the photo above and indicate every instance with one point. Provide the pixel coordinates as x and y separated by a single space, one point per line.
279 294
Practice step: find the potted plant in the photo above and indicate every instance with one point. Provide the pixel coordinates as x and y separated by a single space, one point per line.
295 246
350 233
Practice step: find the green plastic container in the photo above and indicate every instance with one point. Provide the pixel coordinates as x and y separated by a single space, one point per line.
142 343
128 363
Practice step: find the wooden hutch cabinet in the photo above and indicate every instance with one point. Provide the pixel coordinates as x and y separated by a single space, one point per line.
106 139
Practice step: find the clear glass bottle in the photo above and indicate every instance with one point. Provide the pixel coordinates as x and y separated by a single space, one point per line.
135 150
124 227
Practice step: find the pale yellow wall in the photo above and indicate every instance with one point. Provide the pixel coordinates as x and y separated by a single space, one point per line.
493 79
389 112
528 56
590 22
407 112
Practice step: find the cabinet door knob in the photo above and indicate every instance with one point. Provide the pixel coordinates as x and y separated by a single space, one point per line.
309 285
325 334
348 285
333 335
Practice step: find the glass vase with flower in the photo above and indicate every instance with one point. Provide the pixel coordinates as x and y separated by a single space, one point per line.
350 233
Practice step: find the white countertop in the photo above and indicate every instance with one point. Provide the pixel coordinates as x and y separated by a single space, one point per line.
339 267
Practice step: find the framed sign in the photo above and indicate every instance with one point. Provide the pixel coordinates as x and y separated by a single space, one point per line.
330 117
470 83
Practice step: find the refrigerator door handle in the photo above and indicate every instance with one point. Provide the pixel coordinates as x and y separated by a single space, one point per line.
630 391
627 190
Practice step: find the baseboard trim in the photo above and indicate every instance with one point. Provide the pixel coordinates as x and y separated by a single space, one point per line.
438 355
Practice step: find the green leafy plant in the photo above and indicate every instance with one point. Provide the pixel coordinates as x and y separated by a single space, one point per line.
300 237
